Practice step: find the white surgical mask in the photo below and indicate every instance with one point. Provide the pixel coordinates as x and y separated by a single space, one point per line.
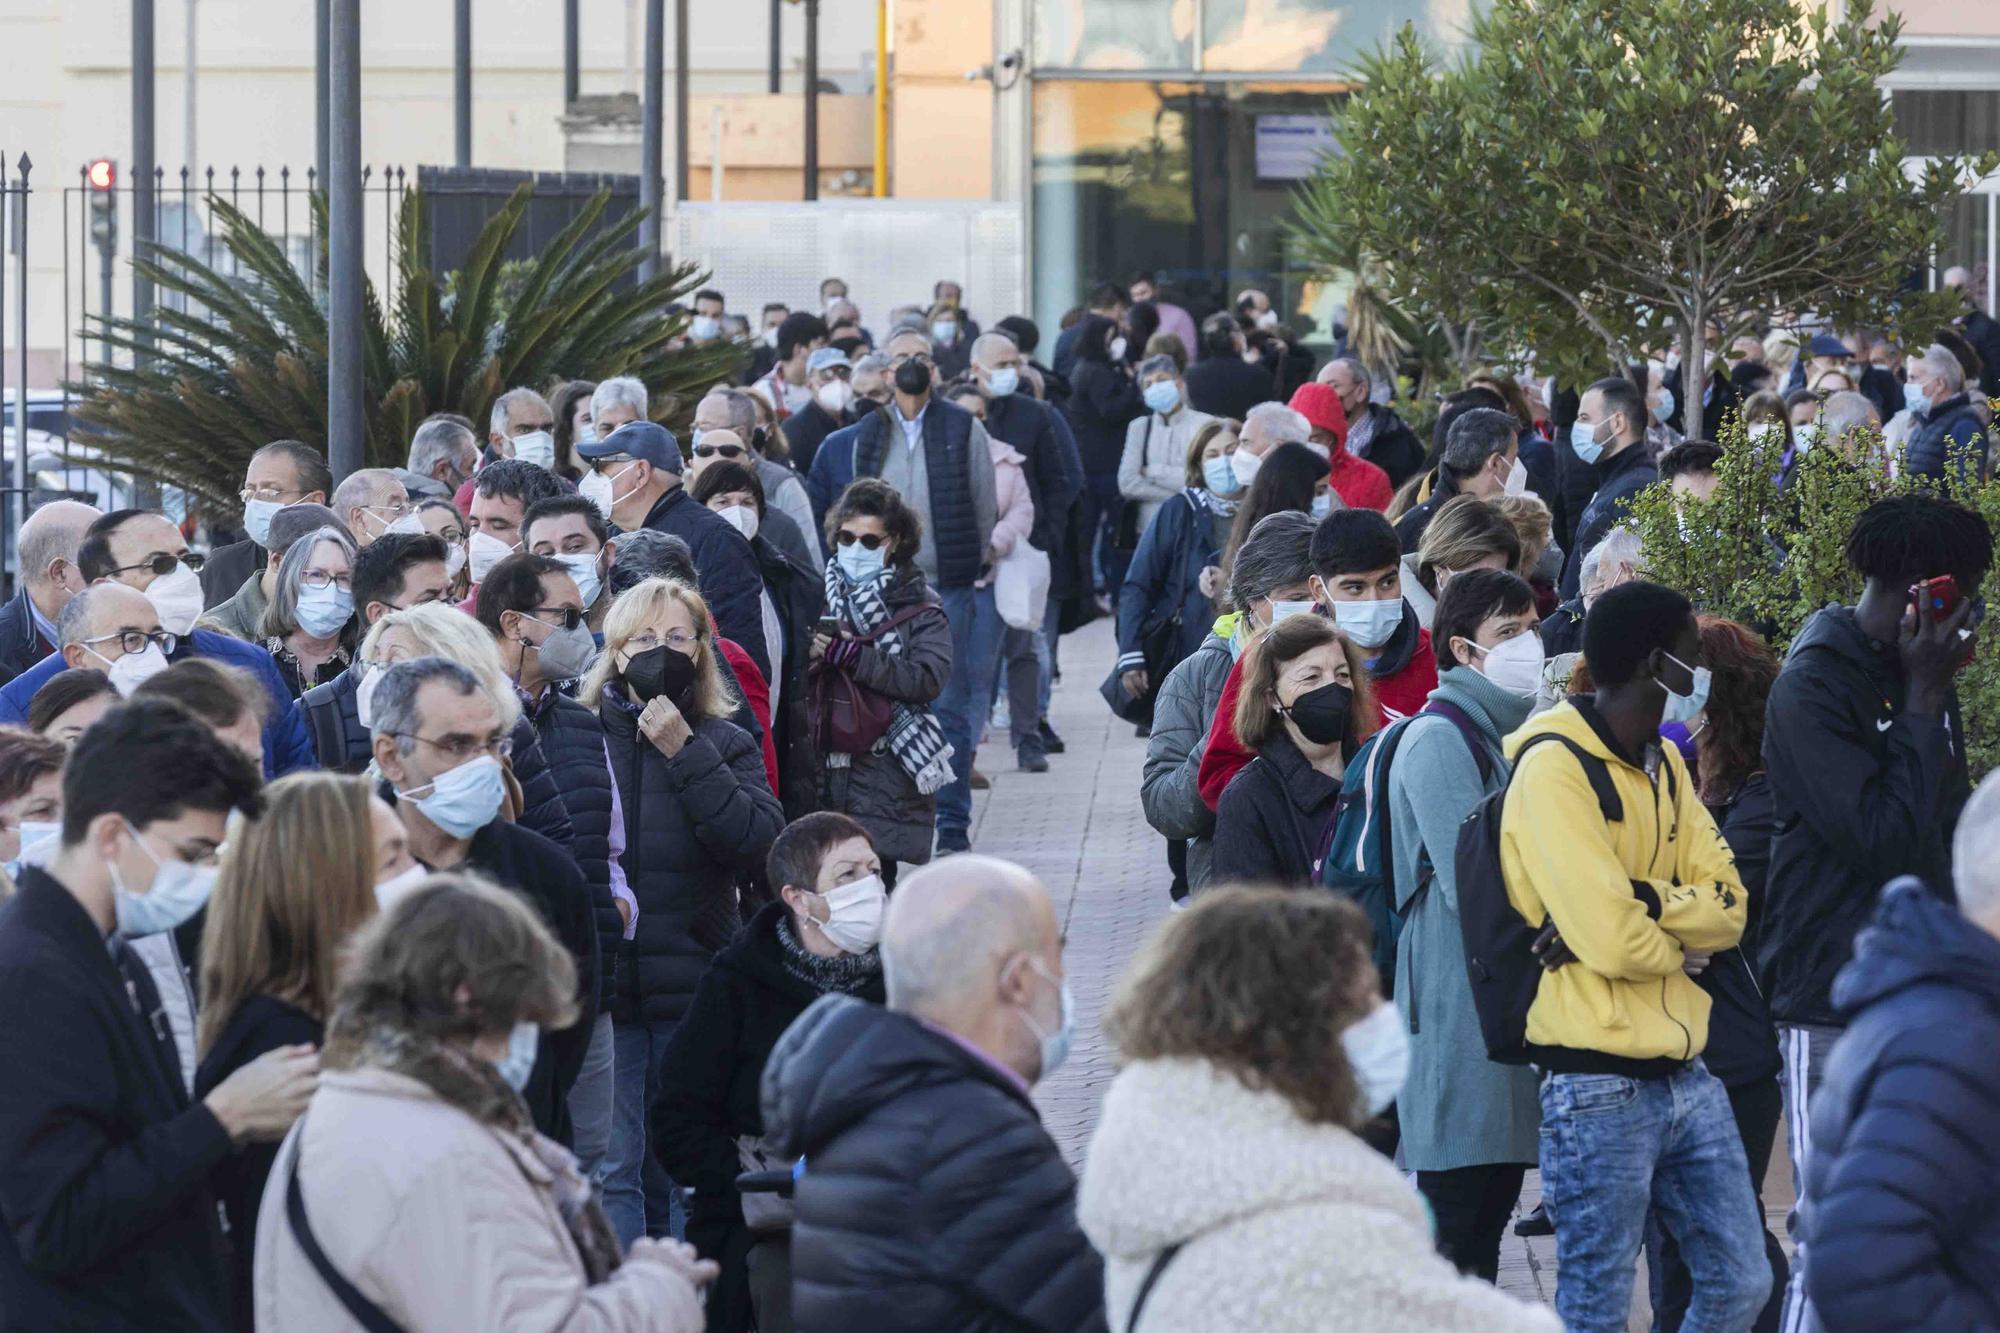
364 697
1806 436
519 1062
1684 708
854 914
1378 1051
131 671
741 517
601 490
1286 610
464 800
1002 382
944 331
1268 320
409 524
835 396
486 552
40 840
1515 666
257 515
177 892
1762 431
1369 624
387 891
1245 464
1322 504
583 571
1517 478
1162 396
322 611
454 559
1055 1045
177 599
859 563
537 447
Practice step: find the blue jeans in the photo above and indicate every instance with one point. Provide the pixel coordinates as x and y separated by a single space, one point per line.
961 710
590 1101
634 1209
1613 1147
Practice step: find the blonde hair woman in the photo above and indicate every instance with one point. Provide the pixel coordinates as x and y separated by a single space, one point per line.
701 815
416 1169
1467 533
296 882
1226 1185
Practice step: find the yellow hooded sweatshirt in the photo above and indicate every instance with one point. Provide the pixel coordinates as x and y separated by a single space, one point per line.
1628 898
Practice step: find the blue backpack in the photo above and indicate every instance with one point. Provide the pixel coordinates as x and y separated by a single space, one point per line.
1358 859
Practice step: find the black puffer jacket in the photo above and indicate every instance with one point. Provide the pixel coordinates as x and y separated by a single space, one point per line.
572 740
932 1198
799 597
343 745
693 824
714 1065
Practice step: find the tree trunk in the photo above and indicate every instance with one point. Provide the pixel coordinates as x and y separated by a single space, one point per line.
1694 367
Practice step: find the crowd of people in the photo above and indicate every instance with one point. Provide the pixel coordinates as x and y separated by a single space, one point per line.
533 886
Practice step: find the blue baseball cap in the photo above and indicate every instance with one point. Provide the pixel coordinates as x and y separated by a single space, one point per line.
637 439
1825 344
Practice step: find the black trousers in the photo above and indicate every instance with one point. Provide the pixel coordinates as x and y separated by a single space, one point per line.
1758 1107
1472 1205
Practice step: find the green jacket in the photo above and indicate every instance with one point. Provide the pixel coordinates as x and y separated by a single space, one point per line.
242 616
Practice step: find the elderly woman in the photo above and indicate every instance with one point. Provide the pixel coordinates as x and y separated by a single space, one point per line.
1467 533
1272 579
707 1126
1153 469
309 627
699 814
414 1192
1226 1186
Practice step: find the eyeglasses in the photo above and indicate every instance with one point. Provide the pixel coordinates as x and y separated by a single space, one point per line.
134 641
646 640
463 749
319 578
268 493
566 617
719 450
163 565
921 358
395 509
869 540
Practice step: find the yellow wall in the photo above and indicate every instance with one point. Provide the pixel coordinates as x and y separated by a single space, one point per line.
941 123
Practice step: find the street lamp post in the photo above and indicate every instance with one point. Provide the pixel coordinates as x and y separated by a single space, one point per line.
812 100
344 381
651 97
143 161
461 81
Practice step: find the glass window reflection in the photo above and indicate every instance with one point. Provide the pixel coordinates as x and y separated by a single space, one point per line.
1114 34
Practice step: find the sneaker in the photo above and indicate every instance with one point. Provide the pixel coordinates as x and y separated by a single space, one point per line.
948 843
1032 758
1143 731
1051 743
977 781
1001 719
1536 1223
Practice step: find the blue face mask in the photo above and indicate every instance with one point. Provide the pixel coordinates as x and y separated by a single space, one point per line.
322 611
177 892
1002 382
1583 439
519 1062
1163 396
1369 624
1221 477
257 515
859 563
1684 708
465 799
1665 407
1322 505
1286 610
1055 1045
1915 398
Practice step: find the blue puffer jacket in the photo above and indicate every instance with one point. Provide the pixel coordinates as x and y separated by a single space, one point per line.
1164 579
1902 1210
1949 433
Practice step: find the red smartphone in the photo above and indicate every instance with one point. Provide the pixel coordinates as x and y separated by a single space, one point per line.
1942 593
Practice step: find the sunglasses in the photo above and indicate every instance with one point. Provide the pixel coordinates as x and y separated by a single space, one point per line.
869 540
163 565
562 617
719 450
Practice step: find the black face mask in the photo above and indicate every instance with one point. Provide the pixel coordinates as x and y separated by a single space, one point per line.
913 378
1321 714
660 671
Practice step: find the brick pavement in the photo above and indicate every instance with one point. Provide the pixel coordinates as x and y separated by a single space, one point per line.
1080 828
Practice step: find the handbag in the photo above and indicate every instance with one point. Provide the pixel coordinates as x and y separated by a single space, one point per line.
852 717
763 1212
1021 586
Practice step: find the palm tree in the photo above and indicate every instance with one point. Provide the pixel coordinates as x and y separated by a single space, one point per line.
241 359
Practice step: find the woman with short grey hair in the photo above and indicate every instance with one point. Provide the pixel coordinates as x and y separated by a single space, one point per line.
1156 444
308 626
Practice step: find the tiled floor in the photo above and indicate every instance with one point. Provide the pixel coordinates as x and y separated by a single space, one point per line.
1079 827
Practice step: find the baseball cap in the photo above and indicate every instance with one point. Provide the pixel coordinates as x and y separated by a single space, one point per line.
824 357
637 439
1825 344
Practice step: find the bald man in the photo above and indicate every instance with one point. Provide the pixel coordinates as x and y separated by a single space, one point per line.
932 1196
47 579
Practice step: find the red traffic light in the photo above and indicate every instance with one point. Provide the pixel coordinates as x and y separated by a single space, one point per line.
102 174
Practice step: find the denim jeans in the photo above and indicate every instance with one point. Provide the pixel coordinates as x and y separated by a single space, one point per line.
961 710
635 1210
1613 1147
1805 1049
590 1101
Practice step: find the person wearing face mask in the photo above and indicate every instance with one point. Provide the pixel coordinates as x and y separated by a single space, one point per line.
309 627
1151 467
833 405
1947 434
501 495
30 796
49 577
1481 458
699 815
933 1198
295 883
1468 534
950 340
106 1165
1050 459
1468 1125
1304 706
705 319
570 404
1360 483
572 531
891 639
441 519
1104 402
1631 1116
440 740
417 1185
1270 579
242 616
521 425
282 473
372 502
1227 1183
820 938
760 445
1374 432
1608 437
799 336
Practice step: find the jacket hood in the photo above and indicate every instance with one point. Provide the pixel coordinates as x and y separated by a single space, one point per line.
1835 630
1566 719
840 1060
1225 625
1916 938
1481 698
1183 1148
1005 454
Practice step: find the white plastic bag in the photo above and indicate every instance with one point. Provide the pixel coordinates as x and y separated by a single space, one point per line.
1021 586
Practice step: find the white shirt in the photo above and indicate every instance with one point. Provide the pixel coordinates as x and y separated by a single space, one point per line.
913 427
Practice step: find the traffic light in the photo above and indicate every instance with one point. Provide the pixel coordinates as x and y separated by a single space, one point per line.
102 177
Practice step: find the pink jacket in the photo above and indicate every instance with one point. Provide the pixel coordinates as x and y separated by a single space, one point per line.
1016 508
441 1222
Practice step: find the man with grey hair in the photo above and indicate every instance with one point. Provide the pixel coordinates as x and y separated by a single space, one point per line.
1265 427
1618 559
1374 431
789 523
615 401
371 502
106 623
933 1198
438 739
1948 430
1845 421
46 558
871 388
283 472
1901 1208
1481 458
522 426
443 456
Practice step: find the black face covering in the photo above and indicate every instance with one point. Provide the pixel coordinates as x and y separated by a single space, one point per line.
661 671
913 378
1321 714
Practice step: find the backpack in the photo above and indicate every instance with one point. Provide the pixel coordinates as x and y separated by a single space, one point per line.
1358 859
1499 941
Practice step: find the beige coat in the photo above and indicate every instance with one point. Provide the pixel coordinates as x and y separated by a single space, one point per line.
443 1223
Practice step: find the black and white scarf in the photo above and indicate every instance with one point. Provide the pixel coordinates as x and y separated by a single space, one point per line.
914 736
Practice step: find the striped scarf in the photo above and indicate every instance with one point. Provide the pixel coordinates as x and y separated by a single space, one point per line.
914 736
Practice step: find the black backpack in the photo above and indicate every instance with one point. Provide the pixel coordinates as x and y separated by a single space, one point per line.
1499 941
